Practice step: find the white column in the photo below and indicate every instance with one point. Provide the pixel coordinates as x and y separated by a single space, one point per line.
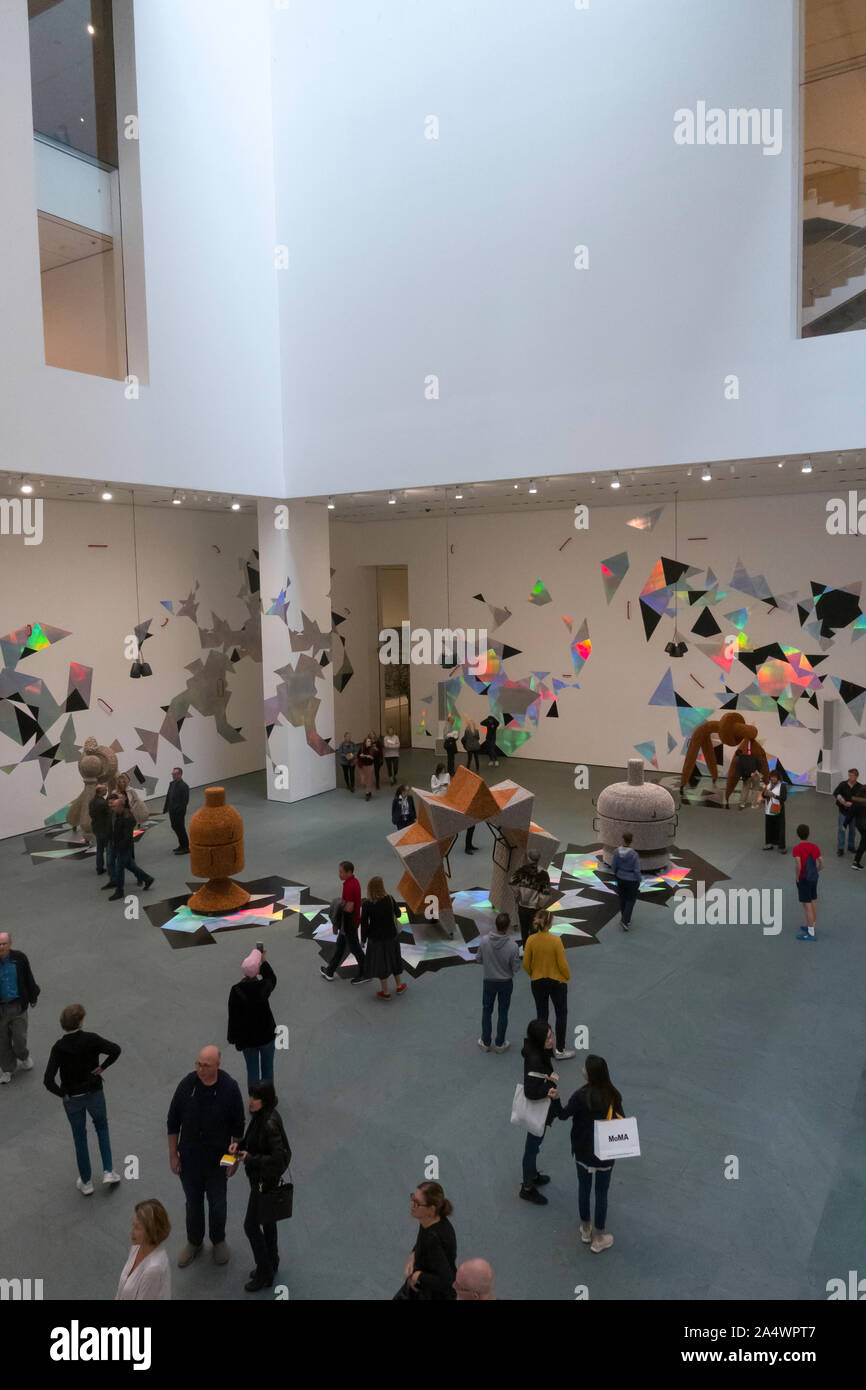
295 564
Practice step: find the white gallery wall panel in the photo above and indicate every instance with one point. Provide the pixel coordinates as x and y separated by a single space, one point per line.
579 638
454 257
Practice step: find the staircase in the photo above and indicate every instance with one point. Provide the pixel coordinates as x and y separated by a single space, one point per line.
834 263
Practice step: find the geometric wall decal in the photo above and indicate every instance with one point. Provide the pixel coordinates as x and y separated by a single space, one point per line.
647 521
539 594
613 571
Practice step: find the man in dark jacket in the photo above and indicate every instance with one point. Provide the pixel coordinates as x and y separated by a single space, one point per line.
176 802
100 821
123 846
206 1115
843 795
18 993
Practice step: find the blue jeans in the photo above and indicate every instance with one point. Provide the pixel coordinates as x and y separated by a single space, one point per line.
77 1109
530 1157
493 990
260 1062
840 838
125 859
196 1186
584 1188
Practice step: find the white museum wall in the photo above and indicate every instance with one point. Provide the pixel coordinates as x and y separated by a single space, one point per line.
454 256
209 413
503 556
90 593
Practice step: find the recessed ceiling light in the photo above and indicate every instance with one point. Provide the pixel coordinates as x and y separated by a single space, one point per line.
615 483
781 463
516 486
175 499
458 496
236 506
331 504
532 487
106 496
391 499
806 466
25 486
706 476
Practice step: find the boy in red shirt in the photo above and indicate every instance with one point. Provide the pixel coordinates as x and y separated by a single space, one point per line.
807 859
347 937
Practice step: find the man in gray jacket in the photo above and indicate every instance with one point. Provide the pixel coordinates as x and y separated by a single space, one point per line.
499 955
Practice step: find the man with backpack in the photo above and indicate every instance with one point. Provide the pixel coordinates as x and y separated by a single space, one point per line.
532 892
807 858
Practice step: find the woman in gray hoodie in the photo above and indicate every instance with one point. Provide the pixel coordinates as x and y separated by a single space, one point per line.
500 959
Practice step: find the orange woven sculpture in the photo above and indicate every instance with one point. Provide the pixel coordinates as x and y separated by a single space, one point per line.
216 850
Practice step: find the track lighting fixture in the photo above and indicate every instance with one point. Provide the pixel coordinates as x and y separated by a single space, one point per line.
615 483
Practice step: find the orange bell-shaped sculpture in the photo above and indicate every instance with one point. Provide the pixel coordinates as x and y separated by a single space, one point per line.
216 847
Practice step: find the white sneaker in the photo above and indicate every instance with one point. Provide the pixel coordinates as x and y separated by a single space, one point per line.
483 1046
85 1188
503 1047
600 1241
4 1077
111 1178
563 1056
25 1066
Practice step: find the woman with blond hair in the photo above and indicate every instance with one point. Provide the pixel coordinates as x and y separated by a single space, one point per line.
471 741
545 964
146 1274
380 937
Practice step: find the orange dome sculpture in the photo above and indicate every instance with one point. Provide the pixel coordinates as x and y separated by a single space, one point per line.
216 849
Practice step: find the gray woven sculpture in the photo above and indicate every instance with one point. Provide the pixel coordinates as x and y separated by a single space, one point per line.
644 808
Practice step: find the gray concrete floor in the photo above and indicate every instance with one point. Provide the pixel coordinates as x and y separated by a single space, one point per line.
723 1041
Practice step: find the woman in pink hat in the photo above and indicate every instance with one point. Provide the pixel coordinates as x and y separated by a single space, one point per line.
251 1023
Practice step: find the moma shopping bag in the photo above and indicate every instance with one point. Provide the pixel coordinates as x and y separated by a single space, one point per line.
616 1138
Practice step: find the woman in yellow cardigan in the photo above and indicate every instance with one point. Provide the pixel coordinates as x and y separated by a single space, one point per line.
545 964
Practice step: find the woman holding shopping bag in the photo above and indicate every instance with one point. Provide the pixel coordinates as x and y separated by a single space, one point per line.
598 1099
538 1085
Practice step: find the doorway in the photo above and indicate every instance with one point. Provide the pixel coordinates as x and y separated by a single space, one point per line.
392 594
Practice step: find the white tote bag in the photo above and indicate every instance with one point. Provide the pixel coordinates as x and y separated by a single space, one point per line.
532 1114
616 1137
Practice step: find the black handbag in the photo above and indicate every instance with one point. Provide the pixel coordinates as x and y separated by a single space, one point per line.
275 1205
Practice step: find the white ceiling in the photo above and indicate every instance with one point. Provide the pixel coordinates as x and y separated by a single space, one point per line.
640 488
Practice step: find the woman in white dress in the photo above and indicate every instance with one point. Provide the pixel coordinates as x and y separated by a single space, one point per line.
146 1274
